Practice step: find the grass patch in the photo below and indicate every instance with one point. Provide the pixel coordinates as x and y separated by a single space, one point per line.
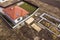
28 7
55 30
52 20
46 23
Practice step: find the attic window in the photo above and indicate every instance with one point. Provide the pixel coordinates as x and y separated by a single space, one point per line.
18 19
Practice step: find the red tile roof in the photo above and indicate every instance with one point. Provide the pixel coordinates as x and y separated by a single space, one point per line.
14 12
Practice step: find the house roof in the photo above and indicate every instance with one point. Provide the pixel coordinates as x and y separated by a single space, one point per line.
15 12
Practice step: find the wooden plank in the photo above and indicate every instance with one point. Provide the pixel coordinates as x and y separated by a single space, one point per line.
30 20
36 27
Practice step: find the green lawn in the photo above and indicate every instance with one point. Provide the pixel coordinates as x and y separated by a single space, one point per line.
28 7
55 30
